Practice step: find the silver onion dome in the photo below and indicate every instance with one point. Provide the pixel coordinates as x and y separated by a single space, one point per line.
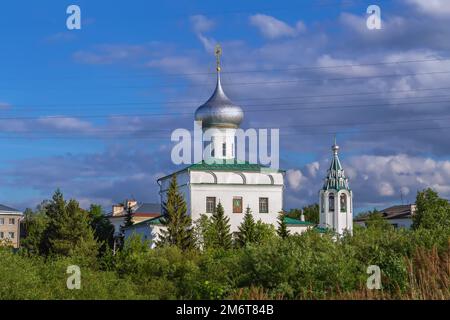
219 111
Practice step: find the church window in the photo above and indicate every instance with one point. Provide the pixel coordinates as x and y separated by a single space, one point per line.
212 152
224 149
210 204
331 202
343 203
237 205
263 205
322 203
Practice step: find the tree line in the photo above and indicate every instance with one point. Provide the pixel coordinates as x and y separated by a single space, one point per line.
202 260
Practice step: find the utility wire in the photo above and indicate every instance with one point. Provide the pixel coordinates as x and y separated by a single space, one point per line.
274 108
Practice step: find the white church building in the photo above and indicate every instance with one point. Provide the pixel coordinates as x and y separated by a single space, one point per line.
238 184
221 176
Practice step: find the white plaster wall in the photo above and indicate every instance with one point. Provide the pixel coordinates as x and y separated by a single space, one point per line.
146 231
339 221
402 223
117 222
250 197
297 229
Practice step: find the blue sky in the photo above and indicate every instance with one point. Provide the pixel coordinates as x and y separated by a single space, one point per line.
76 106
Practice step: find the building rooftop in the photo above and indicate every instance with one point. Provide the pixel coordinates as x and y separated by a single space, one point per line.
404 211
224 165
292 221
152 221
141 210
8 210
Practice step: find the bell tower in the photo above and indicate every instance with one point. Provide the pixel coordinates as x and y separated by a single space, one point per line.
336 198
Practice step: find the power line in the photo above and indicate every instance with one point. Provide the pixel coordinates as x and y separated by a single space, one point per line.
294 81
291 68
286 134
274 108
184 104
305 125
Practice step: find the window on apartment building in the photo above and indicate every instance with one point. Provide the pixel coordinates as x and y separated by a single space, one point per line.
2 235
263 205
237 205
2 221
12 221
210 204
11 235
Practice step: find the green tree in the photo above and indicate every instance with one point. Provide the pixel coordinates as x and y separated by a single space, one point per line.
203 232
433 212
282 230
103 228
221 237
178 230
375 220
246 231
311 213
128 222
34 226
68 228
264 233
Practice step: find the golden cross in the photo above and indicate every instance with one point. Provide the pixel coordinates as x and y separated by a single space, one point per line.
218 53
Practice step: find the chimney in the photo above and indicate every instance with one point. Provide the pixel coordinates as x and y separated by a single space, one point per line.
413 209
131 203
117 209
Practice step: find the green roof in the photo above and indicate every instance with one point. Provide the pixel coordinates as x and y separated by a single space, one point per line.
293 221
233 166
224 165
321 229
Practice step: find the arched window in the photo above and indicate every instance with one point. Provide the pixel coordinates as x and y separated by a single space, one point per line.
343 203
322 203
331 202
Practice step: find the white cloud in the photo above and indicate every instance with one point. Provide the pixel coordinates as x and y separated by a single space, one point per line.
385 189
65 123
4 105
431 7
295 179
273 28
201 23
312 168
401 173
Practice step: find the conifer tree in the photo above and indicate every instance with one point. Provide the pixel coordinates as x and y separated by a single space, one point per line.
68 228
128 222
178 230
282 230
247 230
221 237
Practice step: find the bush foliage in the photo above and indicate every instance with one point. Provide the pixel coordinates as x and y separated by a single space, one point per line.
413 263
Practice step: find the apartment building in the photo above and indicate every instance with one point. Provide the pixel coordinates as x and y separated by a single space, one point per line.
10 225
